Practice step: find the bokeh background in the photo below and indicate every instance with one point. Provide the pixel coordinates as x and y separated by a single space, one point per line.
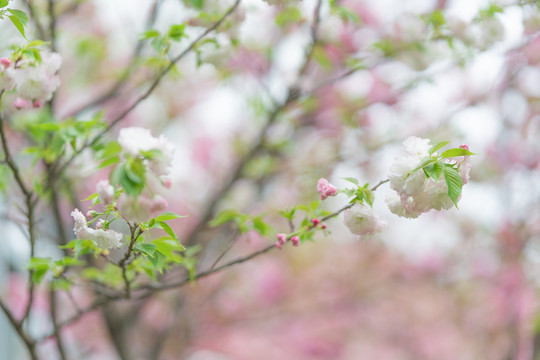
457 284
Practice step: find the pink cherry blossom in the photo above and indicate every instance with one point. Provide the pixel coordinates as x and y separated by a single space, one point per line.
20 103
325 188
5 62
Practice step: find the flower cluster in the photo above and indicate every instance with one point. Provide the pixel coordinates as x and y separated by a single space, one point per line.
105 239
282 239
415 192
157 152
325 188
363 221
34 81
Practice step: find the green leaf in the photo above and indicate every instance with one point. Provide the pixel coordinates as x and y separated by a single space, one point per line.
224 217
108 162
454 183
3 3
288 16
261 227
21 15
352 180
15 20
177 32
168 229
145 248
426 161
434 170
157 260
36 43
197 4
169 247
39 267
169 216
93 196
438 146
288 214
369 197
149 34
456 152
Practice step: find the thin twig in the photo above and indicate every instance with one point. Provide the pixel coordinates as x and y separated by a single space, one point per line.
148 92
122 81
149 289
293 94
56 329
30 205
229 246
135 233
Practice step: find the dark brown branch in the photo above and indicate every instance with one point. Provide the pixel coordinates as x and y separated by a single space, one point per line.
149 289
135 233
28 341
30 205
149 91
56 329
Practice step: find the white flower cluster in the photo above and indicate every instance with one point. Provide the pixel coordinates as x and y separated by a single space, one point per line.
363 221
414 193
135 140
105 239
34 82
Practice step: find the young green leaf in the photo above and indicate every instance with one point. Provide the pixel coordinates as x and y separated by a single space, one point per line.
438 146
168 216
456 152
145 248
157 260
454 183
352 180
21 16
434 170
169 231
18 24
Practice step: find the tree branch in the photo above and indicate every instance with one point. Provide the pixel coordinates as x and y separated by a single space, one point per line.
122 81
148 92
28 341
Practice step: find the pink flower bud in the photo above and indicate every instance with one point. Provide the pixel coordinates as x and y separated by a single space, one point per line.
316 222
5 62
19 103
464 146
90 214
325 188
323 226
279 245
295 240
167 182
37 104
281 238
99 224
